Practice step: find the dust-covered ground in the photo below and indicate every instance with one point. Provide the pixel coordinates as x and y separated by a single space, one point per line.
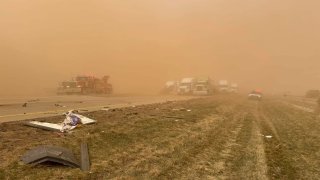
222 137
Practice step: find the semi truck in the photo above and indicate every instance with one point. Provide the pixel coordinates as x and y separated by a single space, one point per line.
223 86
203 86
234 88
170 87
186 86
86 85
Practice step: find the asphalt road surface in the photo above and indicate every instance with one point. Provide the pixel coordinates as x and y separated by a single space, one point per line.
11 109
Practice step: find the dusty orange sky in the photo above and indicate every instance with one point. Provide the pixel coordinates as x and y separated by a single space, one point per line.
270 44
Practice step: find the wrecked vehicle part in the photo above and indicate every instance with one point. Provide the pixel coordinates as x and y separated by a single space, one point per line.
70 122
44 125
85 120
54 154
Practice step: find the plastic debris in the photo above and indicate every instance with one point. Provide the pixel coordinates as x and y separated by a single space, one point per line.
71 121
59 105
44 125
181 109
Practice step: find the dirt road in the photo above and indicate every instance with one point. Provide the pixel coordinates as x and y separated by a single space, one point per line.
223 137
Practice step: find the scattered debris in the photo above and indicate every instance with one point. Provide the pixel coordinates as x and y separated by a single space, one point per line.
54 154
132 114
34 100
84 120
44 125
85 159
83 110
174 117
59 105
181 109
51 113
25 105
71 121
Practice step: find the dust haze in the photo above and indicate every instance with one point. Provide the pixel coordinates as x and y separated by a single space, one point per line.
267 44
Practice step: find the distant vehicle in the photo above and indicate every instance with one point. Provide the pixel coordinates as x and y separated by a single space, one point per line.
255 95
203 86
234 88
186 86
223 86
86 85
69 87
170 87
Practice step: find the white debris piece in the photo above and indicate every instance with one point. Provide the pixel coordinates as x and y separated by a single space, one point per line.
85 120
50 126
70 122
269 137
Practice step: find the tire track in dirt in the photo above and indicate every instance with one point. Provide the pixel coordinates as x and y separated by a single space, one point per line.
204 156
250 160
211 162
147 162
280 164
139 158
299 132
233 150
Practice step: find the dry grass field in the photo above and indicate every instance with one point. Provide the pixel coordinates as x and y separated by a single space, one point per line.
222 137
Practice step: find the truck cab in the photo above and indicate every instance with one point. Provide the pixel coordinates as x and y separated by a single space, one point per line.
203 86
223 86
234 88
186 86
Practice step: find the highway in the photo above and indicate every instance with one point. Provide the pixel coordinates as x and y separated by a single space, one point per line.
11 109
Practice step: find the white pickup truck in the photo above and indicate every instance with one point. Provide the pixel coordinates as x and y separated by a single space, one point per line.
255 95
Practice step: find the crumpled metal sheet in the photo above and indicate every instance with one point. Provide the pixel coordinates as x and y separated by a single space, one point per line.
55 154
